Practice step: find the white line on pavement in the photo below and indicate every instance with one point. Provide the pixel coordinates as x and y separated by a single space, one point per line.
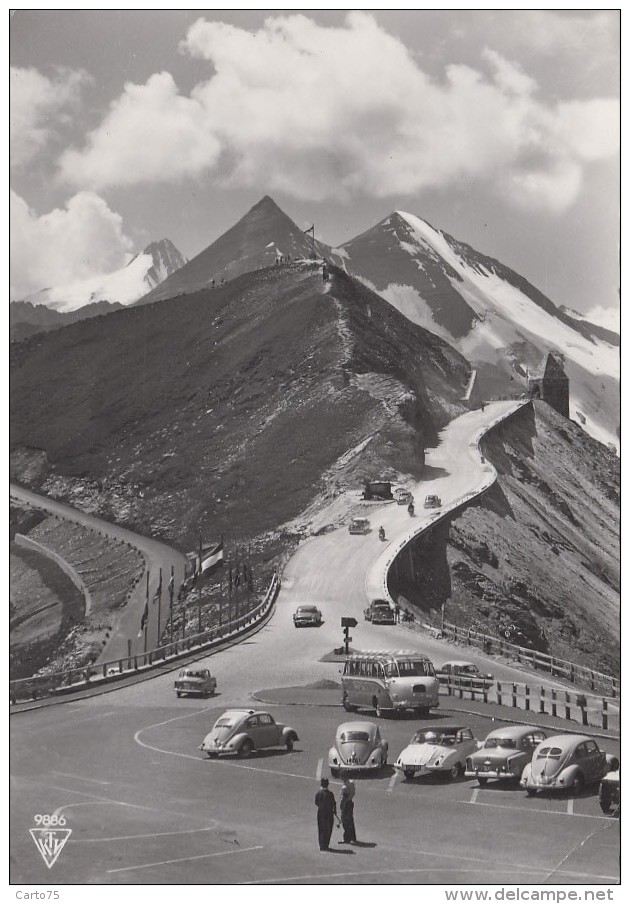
475 795
392 782
320 766
122 869
479 803
212 828
570 807
83 778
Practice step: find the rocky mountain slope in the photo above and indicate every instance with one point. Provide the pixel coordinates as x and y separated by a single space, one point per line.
537 559
265 234
501 323
60 305
229 410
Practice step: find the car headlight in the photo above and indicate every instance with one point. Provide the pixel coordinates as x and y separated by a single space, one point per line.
335 760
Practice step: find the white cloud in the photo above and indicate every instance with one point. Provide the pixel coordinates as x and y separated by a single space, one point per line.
327 112
83 239
37 101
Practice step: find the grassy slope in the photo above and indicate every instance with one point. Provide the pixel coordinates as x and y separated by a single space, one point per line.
220 411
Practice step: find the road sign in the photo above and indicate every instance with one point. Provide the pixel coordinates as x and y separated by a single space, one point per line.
349 622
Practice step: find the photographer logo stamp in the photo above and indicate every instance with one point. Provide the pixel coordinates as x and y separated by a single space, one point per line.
50 836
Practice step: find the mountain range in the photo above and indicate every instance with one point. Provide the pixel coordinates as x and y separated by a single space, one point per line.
59 305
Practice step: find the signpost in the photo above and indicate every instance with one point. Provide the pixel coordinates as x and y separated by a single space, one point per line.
346 624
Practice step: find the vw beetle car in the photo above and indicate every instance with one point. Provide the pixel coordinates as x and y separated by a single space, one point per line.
504 754
432 501
359 526
443 750
566 761
241 731
358 746
610 793
464 674
195 681
379 612
307 616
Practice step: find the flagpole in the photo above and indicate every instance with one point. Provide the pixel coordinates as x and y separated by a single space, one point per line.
159 608
146 624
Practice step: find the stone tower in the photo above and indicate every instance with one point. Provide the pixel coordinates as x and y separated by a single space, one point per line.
551 385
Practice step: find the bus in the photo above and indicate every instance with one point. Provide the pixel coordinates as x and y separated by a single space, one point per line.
388 681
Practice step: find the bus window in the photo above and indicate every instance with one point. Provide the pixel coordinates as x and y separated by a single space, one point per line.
391 670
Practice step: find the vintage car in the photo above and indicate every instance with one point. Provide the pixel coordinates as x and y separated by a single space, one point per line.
305 616
358 746
379 612
241 731
610 793
566 761
504 754
443 750
195 681
463 674
432 501
402 496
359 526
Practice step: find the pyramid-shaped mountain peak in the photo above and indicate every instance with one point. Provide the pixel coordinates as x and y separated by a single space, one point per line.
263 236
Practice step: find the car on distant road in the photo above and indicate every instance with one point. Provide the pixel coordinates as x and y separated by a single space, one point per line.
432 501
437 750
403 496
307 616
504 754
568 761
195 681
359 526
358 746
379 612
464 674
241 731
610 793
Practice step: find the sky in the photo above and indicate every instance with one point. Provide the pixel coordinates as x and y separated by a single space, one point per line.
498 127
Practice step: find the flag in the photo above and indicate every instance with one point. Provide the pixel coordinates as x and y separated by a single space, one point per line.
171 584
144 619
158 592
212 557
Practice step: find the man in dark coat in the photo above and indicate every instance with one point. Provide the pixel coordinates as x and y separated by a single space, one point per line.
326 812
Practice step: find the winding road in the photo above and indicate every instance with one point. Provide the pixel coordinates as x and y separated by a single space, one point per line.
124 767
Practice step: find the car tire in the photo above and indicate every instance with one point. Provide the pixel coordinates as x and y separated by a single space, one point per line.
604 799
179 693
378 712
456 771
409 774
334 771
289 744
482 781
578 783
348 706
531 792
422 712
245 749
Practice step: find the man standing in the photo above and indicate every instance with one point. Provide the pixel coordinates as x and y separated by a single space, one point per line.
326 812
346 805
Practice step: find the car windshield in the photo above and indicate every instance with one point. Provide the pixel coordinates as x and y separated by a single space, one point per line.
410 668
469 669
435 736
552 753
499 742
347 736
307 609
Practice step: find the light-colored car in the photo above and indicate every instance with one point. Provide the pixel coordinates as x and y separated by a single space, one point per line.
195 681
610 793
505 753
402 496
358 746
359 526
432 501
443 750
241 731
464 674
379 612
566 761
307 616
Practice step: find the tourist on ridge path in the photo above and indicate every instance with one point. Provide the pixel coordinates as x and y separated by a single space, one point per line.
326 812
346 805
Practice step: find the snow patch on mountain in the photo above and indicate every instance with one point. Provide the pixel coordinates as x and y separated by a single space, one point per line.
145 271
